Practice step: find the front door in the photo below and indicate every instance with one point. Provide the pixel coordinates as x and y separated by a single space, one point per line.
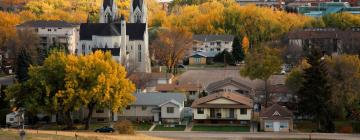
156 117
276 126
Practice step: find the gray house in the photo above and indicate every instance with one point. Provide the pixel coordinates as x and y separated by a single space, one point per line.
156 107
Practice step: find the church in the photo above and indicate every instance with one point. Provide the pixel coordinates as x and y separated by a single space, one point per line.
128 42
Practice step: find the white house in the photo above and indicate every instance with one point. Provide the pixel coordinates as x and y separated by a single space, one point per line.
54 32
212 44
128 42
157 107
223 108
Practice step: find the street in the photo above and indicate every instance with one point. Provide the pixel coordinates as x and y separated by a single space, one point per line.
241 136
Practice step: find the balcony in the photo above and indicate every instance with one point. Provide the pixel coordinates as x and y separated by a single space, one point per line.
220 117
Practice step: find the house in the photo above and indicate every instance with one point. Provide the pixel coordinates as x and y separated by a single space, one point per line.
325 8
192 91
202 58
212 44
147 82
276 118
222 108
231 85
331 41
156 107
54 32
127 42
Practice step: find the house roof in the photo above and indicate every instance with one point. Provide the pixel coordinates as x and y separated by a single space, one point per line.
157 99
278 89
135 31
218 84
242 100
210 38
46 23
157 75
204 54
113 51
276 111
178 87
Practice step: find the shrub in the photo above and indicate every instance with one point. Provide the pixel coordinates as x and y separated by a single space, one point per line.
356 127
345 129
124 127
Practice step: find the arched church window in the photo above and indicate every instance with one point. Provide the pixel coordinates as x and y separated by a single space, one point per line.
83 49
139 53
106 46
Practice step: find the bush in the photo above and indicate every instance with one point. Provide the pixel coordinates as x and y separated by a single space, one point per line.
356 127
345 129
124 127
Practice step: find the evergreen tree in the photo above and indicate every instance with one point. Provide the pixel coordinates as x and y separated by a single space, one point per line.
4 106
315 93
225 57
24 60
203 94
237 50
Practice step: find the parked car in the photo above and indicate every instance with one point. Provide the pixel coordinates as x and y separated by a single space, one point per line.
105 129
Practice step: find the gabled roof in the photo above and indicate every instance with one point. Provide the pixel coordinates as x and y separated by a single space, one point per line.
210 38
113 51
135 31
243 102
276 111
204 54
170 101
178 87
218 84
46 23
156 99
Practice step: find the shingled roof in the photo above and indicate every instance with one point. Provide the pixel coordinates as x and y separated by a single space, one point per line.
276 112
218 84
135 31
157 98
209 38
46 23
178 87
243 102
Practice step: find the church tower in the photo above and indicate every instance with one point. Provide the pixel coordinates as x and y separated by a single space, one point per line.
138 11
108 11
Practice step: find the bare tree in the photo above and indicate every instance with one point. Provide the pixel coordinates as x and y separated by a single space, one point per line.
170 47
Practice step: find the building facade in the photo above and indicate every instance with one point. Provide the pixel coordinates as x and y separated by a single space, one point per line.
212 44
127 42
54 32
276 118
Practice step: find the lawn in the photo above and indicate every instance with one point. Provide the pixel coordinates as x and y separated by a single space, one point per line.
221 128
309 126
176 128
281 139
142 126
12 135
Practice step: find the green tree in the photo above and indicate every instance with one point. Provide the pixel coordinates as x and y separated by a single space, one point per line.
4 105
24 61
237 51
225 57
315 94
261 63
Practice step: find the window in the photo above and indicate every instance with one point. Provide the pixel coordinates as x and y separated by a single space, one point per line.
200 111
59 28
139 51
192 92
49 30
83 49
54 30
99 111
36 30
206 46
11 119
128 108
195 49
100 120
143 108
212 43
226 42
212 49
243 111
283 125
218 49
218 43
170 110
268 124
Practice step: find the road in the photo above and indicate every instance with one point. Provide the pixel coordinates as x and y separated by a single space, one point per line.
242 136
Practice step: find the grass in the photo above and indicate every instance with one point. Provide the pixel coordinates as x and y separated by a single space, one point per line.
176 128
142 126
282 139
309 126
221 128
93 126
13 135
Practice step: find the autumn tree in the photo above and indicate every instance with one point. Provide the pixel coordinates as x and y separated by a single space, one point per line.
171 46
261 63
245 45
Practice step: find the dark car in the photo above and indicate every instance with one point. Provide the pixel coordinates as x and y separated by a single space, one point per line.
105 129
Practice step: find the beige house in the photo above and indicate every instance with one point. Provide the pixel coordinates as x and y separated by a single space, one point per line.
156 107
276 118
222 108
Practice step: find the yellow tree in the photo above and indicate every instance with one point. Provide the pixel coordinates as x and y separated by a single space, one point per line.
98 81
7 26
245 45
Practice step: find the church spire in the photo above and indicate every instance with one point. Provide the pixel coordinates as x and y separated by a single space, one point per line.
108 11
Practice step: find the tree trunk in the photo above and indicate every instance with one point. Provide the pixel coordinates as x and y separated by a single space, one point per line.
88 118
69 121
266 94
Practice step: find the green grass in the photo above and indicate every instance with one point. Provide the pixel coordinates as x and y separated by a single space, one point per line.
221 128
163 128
309 126
142 126
11 135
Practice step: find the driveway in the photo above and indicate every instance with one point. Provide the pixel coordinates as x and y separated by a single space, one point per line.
241 136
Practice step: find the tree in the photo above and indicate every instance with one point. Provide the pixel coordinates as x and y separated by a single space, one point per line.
171 46
99 81
4 105
225 57
237 50
344 78
294 80
261 63
315 94
245 45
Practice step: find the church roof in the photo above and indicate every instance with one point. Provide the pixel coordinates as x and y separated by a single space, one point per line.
135 31
113 51
107 3
137 3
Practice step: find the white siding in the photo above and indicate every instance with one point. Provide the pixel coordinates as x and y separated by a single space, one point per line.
244 117
176 114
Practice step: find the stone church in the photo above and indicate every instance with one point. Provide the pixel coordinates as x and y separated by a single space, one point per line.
128 42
